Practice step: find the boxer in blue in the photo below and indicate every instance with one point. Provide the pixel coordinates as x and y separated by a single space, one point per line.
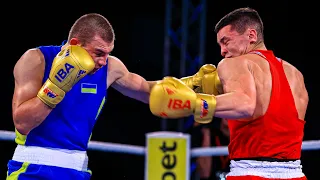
58 95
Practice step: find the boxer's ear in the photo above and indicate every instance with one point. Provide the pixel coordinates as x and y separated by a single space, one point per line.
74 41
252 34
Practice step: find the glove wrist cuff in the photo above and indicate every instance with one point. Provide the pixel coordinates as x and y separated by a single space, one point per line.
50 94
205 108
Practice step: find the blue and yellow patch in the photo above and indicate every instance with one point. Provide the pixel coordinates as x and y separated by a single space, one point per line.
89 88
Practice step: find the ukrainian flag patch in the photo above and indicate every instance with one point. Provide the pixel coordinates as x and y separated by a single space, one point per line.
89 88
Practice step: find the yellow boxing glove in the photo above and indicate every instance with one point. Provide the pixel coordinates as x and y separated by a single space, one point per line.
195 82
171 98
69 66
211 84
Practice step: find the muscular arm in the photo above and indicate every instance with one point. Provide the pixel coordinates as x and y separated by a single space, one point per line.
239 99
28 110
298 88
129 84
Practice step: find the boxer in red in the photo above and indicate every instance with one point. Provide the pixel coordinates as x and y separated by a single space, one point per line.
264 99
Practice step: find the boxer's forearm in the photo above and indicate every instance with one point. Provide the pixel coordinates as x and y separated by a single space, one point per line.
143 92
134 86
234 105
29 115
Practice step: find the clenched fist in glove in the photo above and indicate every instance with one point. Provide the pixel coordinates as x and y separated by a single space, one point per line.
211 84
171 98
195 82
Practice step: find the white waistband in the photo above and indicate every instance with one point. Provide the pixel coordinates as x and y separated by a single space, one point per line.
284 170
72 159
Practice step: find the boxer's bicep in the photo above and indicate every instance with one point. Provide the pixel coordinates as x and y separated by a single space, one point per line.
28 74
235 76
239 97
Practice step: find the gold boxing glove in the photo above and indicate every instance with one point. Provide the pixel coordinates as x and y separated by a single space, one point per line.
171 98
69 66
211 84
195 82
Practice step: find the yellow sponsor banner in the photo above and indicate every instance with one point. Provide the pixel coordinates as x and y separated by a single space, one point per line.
167 156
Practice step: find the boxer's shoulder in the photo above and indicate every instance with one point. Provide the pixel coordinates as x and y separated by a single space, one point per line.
115 64
289 67
33 55
116 69
31 61
231 63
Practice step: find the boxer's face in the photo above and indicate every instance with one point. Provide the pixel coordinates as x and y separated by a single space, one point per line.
99 50
232 43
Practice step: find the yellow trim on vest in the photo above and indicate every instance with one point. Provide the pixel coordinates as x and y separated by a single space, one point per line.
20 139
99 110
89 171
101 105
15 175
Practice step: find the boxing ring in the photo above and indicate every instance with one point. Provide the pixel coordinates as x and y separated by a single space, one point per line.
163 151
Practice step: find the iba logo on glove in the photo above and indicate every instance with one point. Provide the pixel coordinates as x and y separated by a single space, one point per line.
179 104
65 71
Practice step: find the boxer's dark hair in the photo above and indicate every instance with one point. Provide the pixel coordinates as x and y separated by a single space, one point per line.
87 26
241 19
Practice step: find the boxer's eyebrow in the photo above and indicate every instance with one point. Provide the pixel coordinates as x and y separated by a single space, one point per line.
223 40
107 50
100 50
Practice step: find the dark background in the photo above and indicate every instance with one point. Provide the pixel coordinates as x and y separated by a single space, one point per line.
139 29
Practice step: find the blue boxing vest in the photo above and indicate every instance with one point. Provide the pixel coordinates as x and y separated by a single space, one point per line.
70 123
